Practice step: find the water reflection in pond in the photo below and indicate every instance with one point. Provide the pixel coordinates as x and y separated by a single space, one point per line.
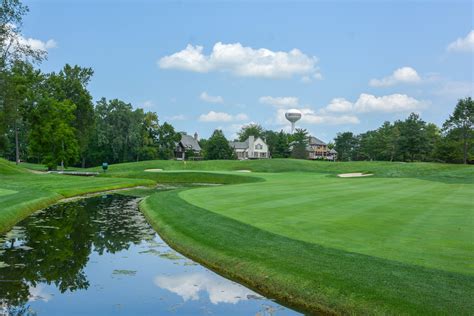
99 256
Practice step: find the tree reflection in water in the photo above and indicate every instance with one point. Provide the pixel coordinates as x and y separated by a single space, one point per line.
54 245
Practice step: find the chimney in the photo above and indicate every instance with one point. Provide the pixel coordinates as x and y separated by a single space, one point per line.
196 136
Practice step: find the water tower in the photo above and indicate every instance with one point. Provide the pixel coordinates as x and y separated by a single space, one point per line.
293 116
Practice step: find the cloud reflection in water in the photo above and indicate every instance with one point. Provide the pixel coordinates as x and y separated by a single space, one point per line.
219 290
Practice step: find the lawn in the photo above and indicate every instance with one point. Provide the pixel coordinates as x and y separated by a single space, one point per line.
398 242
22 192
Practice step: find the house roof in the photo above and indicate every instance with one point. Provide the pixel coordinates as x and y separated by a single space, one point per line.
190 142
333 151
315 141
239 145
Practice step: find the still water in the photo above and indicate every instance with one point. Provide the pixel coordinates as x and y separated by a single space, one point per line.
99 256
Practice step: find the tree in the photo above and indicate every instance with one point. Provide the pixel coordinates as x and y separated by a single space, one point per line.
167 139
71 84
346 145
282 147
52 136
367 146
217 147
387 141
148 146
299 142
116 131
271 138
413 140
22 86
462 120
250 130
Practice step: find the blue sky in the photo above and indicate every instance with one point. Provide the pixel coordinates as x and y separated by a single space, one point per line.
348 66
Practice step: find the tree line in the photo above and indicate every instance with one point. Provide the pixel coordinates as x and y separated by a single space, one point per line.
414 140
51 118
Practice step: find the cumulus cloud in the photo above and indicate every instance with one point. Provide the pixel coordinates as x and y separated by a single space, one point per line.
243 61
400 75
388 103
210 98
339 105
279 101
465 44
14 39
312 117
213 116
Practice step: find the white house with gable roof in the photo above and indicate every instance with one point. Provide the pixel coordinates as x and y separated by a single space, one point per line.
252 148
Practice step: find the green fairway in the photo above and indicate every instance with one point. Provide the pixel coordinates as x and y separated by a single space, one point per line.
22 192
421 222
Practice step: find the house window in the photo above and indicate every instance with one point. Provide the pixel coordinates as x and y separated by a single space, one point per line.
258 146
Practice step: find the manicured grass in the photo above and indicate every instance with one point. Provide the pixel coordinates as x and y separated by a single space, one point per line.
22 192
306 275
414 221
399 242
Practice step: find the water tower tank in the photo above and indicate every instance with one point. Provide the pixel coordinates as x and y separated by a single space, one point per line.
293 116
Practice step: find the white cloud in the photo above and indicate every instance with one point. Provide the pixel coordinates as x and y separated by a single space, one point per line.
311 117
388 103
279 101
465 44
243 61
210 98
213 116
400 75
36 44
339 105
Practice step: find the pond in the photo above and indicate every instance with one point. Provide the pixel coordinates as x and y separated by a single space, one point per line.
99 256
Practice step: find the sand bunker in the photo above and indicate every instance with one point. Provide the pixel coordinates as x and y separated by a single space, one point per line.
354 175
243 171
153 170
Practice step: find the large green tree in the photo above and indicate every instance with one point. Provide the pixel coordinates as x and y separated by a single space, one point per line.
250 130
413 139
71 84
52 136
346 146
299 141
167 139
462 121
217 147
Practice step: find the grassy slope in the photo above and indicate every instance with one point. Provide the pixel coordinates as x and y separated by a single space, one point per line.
22 192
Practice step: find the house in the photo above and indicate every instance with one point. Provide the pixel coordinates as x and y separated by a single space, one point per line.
252 148
317 149
188 144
